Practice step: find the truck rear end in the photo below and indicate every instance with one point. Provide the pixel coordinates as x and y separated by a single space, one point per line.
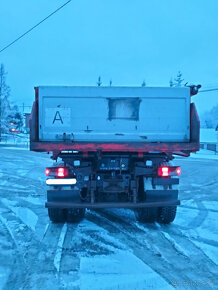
116 146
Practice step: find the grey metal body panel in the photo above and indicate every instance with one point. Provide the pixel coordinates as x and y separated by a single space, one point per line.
114 114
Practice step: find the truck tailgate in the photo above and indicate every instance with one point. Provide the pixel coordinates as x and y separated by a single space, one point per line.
114 114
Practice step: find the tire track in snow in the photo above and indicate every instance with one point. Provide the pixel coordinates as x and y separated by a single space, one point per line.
38 255
76 241
58 254
69 262
175 261
17 186
45 232
201 263
202 209
15 277
202 215
85 239
138 244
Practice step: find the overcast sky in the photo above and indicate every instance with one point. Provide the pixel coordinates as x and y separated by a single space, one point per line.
123 40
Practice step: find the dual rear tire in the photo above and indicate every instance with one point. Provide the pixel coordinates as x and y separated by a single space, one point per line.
57 215
163 215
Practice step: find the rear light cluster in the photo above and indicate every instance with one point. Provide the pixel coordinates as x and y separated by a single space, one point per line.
57 172
166 171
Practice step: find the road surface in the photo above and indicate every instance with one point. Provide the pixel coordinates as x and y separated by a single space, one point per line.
109 249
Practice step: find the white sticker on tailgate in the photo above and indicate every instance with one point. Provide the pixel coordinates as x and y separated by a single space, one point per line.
57 117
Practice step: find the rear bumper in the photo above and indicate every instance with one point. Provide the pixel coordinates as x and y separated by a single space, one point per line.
111 204
71 199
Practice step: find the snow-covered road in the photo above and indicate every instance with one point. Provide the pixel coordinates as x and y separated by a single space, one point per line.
109 249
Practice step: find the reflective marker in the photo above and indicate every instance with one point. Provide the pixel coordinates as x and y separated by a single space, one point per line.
68 181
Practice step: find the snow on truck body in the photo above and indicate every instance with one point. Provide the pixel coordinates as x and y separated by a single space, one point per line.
116 144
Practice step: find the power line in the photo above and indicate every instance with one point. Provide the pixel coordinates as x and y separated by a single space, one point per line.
28 31
210 86
209 90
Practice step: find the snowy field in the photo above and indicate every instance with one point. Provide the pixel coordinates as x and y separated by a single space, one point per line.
15 140
208 135
109 249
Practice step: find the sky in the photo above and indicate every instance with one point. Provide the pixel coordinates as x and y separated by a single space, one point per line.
123 40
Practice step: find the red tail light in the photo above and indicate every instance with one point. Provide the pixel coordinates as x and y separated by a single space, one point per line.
166 171
163 171
57 171
47 171
62 172
178 171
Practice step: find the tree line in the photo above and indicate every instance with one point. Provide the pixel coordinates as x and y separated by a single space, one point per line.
10 118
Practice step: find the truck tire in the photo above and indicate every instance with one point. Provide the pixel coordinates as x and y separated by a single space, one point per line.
75 215
166 214
147 214
57 215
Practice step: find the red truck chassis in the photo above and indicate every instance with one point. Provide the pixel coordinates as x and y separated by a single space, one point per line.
113 175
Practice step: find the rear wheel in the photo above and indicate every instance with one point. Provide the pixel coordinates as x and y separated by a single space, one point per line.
166 214
75 215
147 214
57 215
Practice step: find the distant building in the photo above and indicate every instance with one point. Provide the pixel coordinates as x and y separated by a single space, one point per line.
27 121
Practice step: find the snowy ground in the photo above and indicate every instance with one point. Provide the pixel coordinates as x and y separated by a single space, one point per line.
109 249
205 154
209 135
15 140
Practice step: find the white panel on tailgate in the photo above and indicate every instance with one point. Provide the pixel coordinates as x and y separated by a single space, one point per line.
58 117
114 114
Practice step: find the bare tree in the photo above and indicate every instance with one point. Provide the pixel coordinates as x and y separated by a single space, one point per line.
143 83
4 104
99 82
178 81
171 83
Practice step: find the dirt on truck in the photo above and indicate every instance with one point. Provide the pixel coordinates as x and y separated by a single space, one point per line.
113 147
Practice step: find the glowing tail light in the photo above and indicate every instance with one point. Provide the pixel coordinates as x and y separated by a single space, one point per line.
57 172
61 172
166 171
163 171
178 171
47 171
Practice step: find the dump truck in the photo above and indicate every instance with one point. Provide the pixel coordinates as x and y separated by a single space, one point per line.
113 147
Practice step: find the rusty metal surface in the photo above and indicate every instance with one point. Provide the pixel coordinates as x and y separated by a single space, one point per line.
114 147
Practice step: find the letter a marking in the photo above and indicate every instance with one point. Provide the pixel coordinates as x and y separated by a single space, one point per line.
57 117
